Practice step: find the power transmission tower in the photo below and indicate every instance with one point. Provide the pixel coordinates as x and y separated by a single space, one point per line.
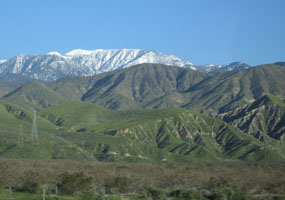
35 135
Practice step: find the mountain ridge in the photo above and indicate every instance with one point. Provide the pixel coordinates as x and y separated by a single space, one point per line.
79 62
53 65
264 117
91 132
162 86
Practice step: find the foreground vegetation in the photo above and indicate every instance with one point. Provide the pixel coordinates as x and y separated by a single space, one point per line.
113 180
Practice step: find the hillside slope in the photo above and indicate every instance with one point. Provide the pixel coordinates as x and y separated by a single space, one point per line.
161 86
34 95
11 82
17 141
263 117
153 135
233 89
136 87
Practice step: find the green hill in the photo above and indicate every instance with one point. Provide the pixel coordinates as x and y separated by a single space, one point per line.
233 89
72 125
135 87
84 131
153 135
34 95
16 137
263 117
10 82
158 86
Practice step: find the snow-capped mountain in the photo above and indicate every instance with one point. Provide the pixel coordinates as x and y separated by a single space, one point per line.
235 66
53 65
208 68
2 61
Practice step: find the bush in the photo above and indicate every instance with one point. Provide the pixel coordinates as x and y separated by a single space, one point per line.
185 194
227 189
88 196
71 183
156 193
29 186
122 184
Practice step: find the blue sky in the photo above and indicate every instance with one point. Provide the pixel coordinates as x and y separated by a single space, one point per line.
201 31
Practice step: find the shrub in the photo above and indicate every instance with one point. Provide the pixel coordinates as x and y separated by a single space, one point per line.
28 186
185 194
88 195
156 193
71 183
122 184
227 189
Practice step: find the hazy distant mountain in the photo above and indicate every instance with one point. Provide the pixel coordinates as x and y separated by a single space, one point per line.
78 62
235 66
52 66
280 63
10 82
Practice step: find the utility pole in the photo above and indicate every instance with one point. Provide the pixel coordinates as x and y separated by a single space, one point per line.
35 135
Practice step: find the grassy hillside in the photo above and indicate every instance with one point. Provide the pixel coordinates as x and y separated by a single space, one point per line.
72 88
34 95
10 82
85 131
158 86
134 87
263 117
16 137
233 89
152 135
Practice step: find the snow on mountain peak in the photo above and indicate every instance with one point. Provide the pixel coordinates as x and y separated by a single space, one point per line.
2 61
79 52
54 53
80 62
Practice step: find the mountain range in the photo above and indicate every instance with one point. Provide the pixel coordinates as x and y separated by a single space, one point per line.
53 66
158 86
148 112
